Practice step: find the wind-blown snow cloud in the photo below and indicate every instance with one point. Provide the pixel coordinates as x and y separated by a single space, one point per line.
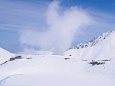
62 25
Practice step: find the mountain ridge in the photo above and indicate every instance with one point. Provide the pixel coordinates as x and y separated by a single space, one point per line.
101 48
94 41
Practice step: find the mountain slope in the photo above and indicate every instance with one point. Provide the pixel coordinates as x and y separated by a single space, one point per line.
101 48
5 55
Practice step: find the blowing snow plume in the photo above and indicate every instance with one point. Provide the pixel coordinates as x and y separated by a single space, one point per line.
62 26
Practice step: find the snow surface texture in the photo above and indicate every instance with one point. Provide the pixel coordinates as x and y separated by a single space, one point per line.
72 69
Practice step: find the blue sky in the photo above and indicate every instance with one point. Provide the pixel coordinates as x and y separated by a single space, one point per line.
23 14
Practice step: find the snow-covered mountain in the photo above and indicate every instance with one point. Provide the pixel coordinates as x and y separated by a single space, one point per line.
87 66
5 55
101 47
94 41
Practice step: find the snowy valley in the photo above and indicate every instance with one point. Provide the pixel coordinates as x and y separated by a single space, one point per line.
89 64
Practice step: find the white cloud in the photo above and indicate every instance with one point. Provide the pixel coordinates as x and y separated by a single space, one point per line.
62 25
